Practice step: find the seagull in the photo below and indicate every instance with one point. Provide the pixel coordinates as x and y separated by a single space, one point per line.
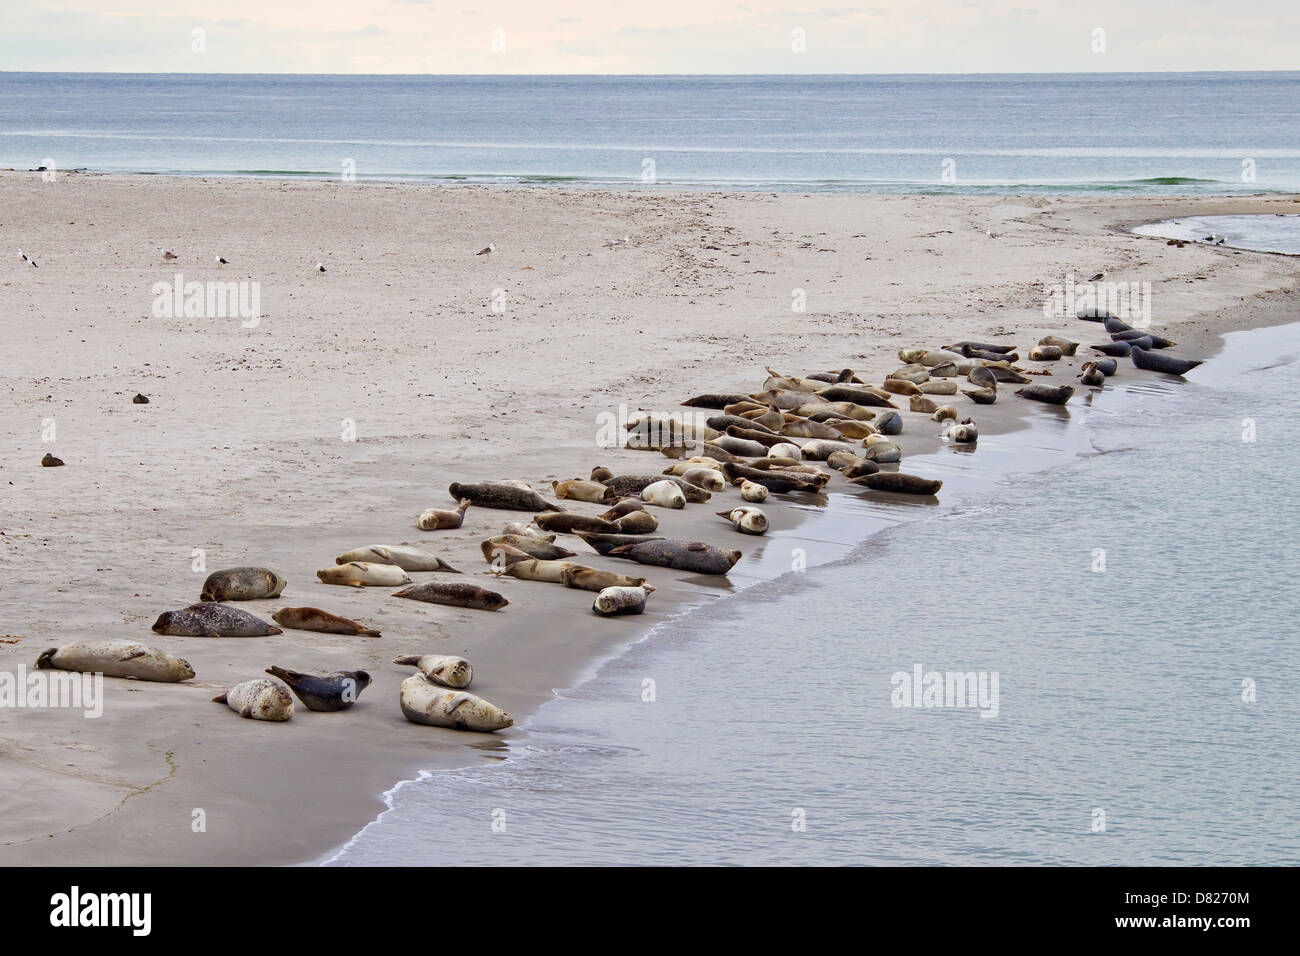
1222 240
221 261
320 267
30 262
615 243
167 256
490 247
989 233
1098 277
1210 238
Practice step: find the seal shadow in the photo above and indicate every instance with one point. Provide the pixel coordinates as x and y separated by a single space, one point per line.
899 498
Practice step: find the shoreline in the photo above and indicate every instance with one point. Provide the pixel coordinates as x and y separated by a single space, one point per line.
306 507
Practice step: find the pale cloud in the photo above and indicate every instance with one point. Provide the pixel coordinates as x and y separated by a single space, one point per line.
669 36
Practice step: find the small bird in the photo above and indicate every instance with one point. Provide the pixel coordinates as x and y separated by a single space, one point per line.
989 233
320 267
26 259
617 243
490 247
222 261
167 256
1209 238
1098 277
1222 240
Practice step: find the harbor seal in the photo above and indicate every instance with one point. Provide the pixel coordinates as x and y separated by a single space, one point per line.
1051 394
567 522
850 429
242 584
501 494
943 413
619 600
454 595
710 479
328 692
742 447
604 543
806 428
859 468
314 619
981 396
819 450
900 483
212 620
117 659
1091 375
858 396
785 450
624 507
746 520
982 377
926 406
964 434
1065 345
504 555
1135 336
1159 362
883 453
637 522
527 544
446 670
900 387
957 347
633 485
714 400
1119 349
780 483
752 491
939 388
601 473
592 579
889 423
364 574
694 556
400 556
1045 353
424 702
1001 373
439 519
260 699
580 489
722 422
663 494
1107 366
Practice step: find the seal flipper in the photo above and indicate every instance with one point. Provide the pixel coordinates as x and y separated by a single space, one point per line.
412 660
221 699
138 652
43 662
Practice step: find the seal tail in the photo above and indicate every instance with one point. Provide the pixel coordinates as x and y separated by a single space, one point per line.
219 699
412 659
44 661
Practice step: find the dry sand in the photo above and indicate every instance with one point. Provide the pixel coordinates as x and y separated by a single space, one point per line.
239 452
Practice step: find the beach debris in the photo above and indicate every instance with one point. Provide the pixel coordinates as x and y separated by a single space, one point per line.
49 461
486 250
139 399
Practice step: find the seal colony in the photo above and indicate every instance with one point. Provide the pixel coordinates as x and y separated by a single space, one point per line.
791 439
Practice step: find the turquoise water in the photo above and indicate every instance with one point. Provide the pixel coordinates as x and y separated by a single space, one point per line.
1166 133
1121 691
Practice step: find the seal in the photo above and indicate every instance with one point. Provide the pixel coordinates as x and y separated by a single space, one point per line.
591 579
117 659
939 388
1051 394
889 423
773 419
1045 353
859 468
1091 375
964 434
840 460
400 556
637 522
1134 336
710 479
533 547
567 522
504 555
1065 345
779 483
619 600
260 699
601 473
663 494
454 595
438 519
444 669
842 409
693 556
533 569
624 507
899 386
981 347
212 620
633 485
424 702
1158 362
1001 373
926 406
714 400
818 450
915 374
314 619
503 495
981 396
982 377
740 446
785 450
604 543
850 429
1119 349
900 483
752 491
806 428
1114 325
746 520
883 453
242 584
364 574
723 422
791 383
580 489
1093 314
327 692
686 464
526 531
988 355
1107 366
858 396
943 413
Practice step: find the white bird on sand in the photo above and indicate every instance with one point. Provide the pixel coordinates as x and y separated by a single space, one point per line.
490 247
167 255
616 243
320 267
30 262
222 261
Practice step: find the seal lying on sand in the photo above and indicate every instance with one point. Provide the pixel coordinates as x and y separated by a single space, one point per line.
591 579
445 669
500 494
401 556
212 620
633 485
604 543
117 659
619 600
314 619
454 595
533 547
663 494
779 482
1051 394
567 522
424 702
693 556
359 574
714 400
898 482
437 519
242 584
746 520
580 489
1158 362
260 699
337 691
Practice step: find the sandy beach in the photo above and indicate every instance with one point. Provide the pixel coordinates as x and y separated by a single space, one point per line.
449 366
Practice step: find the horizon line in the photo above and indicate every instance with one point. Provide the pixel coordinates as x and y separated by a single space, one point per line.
640 75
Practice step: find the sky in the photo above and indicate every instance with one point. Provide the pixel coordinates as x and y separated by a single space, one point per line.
647 36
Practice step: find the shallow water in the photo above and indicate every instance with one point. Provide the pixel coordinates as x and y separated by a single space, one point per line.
1275 233
1122 733
1142 134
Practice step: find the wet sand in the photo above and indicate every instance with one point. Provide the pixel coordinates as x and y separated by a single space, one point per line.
240 453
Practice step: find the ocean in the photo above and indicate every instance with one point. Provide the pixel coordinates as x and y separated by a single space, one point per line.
1116 580
1164 133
